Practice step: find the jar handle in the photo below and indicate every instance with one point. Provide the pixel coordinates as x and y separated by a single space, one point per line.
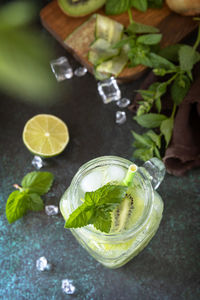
155 171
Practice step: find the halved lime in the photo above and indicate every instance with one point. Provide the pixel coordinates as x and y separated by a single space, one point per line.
45 135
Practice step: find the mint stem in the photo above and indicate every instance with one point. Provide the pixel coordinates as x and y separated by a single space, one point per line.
173 111
130 16
130 174
16 186
197 40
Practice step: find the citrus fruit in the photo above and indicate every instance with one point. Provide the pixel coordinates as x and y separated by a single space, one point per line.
45 135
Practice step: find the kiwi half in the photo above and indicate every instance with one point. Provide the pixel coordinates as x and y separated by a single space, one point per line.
80 8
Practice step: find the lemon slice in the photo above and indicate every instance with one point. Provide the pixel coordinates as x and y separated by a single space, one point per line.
45 135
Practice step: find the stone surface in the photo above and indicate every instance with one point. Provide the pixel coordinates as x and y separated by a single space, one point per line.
166 269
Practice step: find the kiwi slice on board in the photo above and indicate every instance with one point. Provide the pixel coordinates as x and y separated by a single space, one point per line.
80 8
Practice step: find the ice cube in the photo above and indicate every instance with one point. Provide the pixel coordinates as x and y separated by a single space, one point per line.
42 264
81 71
37 162
61 68
124 102
67 286
51 210
114 173
120 117
92 181
109 90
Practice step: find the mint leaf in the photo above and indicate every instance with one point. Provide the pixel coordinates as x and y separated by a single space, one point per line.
106 194
166 129
103 221
35 202
38 182
171 52
97 207
180 88
141 140
82 216
116 7
157 153
124 41
143 153
150 120
141 5
155 3
188 57
111 194
141 28
158 61
149 39
16 205
154 137
147 144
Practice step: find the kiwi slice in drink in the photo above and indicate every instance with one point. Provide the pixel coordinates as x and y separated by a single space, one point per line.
128 212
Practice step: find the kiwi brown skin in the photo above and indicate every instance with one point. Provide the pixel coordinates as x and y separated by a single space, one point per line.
80 8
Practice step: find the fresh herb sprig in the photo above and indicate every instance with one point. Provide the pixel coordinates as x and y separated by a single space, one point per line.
143 43
179 79
28 196
115 7
96 208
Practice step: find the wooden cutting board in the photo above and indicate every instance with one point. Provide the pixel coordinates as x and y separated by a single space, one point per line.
173 27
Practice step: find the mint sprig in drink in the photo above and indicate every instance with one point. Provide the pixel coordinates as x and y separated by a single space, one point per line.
111 210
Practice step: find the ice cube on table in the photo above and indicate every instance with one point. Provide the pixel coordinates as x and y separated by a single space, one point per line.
109 90
120 117
37 162
67 286
114 173
51 210
92 181
61 68
42 264
81 71
124 102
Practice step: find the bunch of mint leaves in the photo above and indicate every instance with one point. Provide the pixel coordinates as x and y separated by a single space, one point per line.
28 197
175 64
96 208
143 43
115 7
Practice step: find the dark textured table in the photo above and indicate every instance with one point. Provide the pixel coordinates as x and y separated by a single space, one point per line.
168 268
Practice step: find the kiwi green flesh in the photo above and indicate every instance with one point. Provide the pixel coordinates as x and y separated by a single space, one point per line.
129 212
80 8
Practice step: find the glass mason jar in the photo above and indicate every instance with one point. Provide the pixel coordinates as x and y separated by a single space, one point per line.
116 248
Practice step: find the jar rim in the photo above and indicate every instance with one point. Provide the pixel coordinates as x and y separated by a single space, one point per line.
105 160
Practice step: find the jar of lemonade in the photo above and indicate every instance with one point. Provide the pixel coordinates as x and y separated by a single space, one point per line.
133 222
